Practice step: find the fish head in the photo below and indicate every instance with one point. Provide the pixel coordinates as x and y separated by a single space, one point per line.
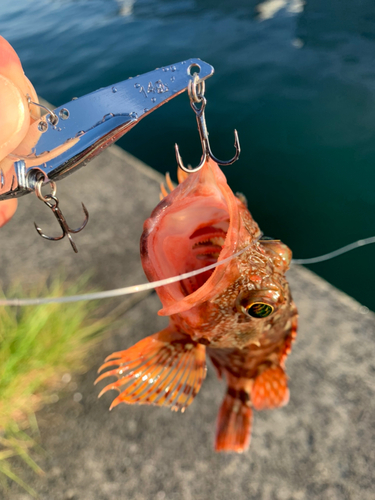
199 223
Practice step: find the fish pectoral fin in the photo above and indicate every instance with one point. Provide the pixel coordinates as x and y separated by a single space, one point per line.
165 369
234 421
270 389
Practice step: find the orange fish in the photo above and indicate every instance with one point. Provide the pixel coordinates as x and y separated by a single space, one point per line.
240 314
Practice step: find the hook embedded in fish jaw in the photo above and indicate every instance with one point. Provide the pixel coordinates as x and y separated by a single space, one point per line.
196 94
53 203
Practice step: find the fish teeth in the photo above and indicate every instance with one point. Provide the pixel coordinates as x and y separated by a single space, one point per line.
216 241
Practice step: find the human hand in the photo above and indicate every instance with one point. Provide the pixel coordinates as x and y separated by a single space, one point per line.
15 116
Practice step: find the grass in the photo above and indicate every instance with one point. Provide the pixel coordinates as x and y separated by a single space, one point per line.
16 443
38 344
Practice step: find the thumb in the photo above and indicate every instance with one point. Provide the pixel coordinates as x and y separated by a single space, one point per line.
14 110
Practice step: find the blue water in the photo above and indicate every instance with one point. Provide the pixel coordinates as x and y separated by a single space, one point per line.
297 79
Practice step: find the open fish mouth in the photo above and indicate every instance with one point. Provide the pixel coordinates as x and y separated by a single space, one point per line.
188 238
206 244
196 225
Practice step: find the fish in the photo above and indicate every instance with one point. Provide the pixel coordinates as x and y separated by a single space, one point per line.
240 315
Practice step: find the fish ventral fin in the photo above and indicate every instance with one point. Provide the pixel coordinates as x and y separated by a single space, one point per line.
165 369
234 422
270 389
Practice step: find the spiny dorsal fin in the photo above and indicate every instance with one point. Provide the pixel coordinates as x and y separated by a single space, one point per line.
170 186
181 175
165 369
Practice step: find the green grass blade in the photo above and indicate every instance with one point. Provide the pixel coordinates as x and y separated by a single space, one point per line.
6 470
37 346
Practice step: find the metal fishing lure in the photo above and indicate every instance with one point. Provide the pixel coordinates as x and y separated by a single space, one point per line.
74 133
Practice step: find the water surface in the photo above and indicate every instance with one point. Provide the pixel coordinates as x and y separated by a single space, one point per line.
297 79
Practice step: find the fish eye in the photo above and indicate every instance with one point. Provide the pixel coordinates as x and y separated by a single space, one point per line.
258 303
258 309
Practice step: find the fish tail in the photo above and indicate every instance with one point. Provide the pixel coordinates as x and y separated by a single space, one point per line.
165 369
234 421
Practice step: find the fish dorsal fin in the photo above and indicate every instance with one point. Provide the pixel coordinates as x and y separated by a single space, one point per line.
163 191
181 175
165 369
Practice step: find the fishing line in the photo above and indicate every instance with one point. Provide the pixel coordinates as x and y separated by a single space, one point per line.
156 284
335 253
118 291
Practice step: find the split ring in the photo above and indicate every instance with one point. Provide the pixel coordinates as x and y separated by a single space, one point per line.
38 190
196 89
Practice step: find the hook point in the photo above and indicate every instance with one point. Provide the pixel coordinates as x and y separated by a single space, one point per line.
237 142
71 241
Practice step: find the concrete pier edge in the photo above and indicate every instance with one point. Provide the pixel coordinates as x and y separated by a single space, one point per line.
320 446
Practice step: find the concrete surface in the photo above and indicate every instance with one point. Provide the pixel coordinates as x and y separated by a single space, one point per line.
321 446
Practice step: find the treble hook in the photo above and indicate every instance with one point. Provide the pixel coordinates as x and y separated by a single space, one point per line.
52 202
198 97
